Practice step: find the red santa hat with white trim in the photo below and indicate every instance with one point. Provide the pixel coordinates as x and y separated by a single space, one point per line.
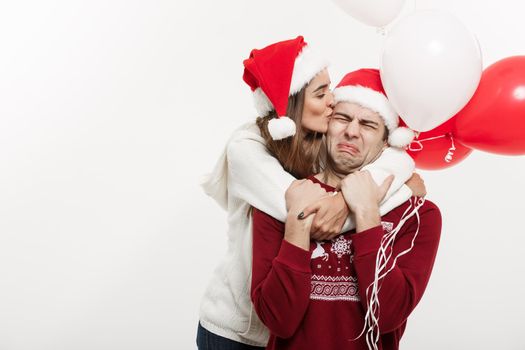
364 87
276 72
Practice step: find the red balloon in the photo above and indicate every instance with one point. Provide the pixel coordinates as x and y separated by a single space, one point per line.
494 119
438 148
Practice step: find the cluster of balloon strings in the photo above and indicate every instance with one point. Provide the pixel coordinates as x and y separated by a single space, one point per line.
385 262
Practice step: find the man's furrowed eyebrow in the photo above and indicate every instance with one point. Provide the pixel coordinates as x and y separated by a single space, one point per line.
361 121
368 121
344 115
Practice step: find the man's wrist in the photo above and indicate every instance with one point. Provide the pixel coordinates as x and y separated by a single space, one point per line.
345 208
365 210
367 217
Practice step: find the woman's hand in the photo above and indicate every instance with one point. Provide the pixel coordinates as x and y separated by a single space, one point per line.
417 185
298 196
302 193
330 215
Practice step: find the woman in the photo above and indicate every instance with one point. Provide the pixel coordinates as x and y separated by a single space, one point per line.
291 88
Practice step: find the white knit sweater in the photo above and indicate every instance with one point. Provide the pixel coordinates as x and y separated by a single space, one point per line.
247 175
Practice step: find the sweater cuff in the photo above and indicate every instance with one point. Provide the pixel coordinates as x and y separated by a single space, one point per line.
294 257
368 241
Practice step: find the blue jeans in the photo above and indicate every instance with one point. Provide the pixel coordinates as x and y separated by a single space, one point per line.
207 340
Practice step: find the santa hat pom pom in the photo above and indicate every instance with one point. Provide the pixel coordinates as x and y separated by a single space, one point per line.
401 137
281 128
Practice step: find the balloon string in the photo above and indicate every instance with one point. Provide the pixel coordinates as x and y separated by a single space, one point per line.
383 265
418 142
450 153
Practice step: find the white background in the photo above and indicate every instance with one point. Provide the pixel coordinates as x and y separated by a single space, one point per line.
110 112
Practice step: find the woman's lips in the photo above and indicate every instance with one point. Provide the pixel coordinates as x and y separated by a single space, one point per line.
348 148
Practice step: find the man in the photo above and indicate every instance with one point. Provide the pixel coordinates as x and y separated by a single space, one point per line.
358 289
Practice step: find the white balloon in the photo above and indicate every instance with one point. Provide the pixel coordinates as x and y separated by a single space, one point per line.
377 13
431 67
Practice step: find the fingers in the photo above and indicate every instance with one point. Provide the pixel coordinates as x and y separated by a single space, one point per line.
324 236
325 227
319 225
387 182
383 189
317 207
311 209
417 185
302 193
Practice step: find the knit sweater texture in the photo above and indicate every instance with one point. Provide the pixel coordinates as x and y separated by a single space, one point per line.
317 299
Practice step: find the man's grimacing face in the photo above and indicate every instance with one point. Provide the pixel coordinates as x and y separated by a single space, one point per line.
355 137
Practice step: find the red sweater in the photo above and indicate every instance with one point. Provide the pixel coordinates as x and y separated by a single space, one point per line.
315 299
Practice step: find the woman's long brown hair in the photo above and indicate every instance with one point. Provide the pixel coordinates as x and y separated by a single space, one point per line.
302 154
